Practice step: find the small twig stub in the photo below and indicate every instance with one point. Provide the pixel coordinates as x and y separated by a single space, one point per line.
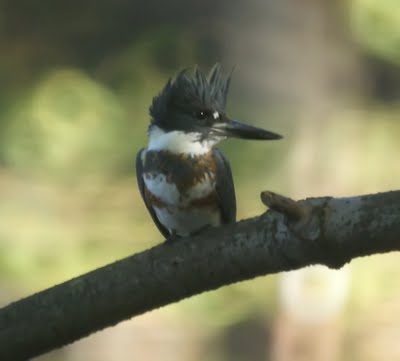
292 209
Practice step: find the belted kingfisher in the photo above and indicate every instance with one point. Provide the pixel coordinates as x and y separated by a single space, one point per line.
185 182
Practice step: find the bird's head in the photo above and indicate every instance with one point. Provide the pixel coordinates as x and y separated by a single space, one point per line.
189 114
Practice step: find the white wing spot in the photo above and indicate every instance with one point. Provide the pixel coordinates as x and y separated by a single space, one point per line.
216 115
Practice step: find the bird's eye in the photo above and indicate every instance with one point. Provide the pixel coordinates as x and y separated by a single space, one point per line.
202 114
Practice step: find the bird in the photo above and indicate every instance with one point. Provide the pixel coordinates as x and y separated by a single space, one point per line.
185 181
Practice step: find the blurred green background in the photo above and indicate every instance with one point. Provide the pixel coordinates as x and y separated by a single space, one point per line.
76 81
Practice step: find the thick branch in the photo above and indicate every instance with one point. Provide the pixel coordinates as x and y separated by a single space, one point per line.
330 231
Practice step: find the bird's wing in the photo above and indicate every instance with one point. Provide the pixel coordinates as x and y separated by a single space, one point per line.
141 184
225 188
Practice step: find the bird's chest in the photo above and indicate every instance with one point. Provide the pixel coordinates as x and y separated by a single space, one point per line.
179 180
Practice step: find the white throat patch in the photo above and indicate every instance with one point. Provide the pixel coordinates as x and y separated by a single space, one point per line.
178 141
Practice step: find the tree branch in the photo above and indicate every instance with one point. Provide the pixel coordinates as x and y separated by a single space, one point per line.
329 231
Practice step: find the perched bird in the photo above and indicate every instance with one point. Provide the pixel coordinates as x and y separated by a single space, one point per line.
186 183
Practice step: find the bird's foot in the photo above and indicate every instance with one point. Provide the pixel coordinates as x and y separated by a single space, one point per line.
173 237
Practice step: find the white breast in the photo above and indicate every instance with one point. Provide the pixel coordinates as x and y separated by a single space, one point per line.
177 216
169 194
186 222
158 185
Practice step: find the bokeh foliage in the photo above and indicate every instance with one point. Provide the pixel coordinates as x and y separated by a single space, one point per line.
376 25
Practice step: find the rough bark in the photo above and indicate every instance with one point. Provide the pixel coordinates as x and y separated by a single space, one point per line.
329 231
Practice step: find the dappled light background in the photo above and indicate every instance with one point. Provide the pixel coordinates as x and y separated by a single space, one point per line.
76 83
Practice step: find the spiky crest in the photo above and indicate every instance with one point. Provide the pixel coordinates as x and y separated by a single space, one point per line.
187 93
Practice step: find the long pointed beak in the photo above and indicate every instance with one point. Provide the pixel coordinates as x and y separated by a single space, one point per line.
235 129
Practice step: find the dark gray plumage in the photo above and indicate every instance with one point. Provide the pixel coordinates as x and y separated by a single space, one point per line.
225 188
140 181
185 95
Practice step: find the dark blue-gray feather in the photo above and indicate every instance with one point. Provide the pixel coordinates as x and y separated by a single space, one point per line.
140 181
225 188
